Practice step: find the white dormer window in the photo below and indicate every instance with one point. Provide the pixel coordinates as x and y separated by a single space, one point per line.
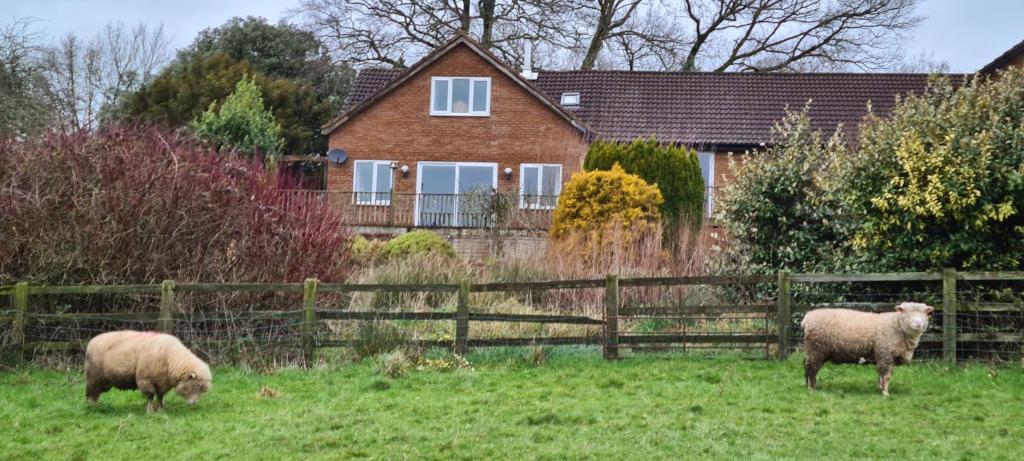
570 99
460 96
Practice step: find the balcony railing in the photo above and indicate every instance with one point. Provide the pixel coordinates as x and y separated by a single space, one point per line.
510 211
476 210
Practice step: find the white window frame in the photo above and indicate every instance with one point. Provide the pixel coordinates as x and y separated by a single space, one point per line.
709 199
574 94
455 190
373 193
540 181
472 97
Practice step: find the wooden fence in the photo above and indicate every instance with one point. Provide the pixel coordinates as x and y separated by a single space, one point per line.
774 312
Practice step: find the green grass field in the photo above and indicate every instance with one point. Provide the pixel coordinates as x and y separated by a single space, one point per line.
573 406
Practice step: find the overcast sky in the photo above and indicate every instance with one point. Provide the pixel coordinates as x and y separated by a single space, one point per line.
965 33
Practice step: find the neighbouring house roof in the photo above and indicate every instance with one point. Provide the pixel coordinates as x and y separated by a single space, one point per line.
700 108
723 108
1003 59
373 84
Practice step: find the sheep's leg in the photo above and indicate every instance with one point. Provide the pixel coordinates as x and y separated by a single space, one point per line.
159 402
884 373
93 391
811 368
149 390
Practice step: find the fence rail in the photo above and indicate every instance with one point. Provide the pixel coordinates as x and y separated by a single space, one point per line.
766 310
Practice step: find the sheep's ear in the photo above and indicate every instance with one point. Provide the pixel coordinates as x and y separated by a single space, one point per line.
899 308
928 310
192 375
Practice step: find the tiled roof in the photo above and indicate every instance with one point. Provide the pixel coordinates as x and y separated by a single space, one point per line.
368 82
705 108
716 108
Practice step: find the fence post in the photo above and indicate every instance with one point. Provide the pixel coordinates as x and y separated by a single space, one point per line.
462 319
949 306
308 319
166 321
785 310
611 317
20 315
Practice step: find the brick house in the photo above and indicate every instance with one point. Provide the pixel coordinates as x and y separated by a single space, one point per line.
420 145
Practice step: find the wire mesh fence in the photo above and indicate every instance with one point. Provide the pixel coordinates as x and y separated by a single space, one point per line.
698 314
990 319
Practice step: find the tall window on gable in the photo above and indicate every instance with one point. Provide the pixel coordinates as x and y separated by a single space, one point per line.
460 96
539 185
372 182
707 170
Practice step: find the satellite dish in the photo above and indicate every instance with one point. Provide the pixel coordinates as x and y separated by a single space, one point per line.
337 156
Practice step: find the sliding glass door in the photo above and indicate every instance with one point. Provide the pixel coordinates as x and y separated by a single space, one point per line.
453 194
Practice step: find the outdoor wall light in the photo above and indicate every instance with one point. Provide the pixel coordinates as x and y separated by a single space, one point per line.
405 171
508 173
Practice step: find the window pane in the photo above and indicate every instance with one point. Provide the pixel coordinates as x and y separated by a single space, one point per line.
436 199
460 96
364 181
440 95
552 177
530 181
438 179
383 185
476 179
480 95
705 167
476 186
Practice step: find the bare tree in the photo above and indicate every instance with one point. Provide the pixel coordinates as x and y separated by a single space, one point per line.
25 99
89 80
774 35
395 32
716 35
647 41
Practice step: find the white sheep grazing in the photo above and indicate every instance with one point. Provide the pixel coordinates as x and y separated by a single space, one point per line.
848 336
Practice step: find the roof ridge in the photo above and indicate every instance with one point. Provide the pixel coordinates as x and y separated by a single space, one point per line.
751 74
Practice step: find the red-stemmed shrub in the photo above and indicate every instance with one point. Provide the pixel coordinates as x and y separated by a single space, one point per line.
132 204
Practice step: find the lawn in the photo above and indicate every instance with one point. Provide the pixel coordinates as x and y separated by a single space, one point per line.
573 406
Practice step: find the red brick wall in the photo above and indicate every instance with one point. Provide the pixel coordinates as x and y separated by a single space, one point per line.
399 127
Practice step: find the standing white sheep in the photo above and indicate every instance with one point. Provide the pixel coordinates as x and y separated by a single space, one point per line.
848 336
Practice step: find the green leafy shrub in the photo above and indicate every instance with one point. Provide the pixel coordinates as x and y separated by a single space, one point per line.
593 200
416 242
241 123
776 211
939 182
675 170
365 251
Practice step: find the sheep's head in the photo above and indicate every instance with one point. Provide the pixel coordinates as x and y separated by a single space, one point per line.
194 384
914 316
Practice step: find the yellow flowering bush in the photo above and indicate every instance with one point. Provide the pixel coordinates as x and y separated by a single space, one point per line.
593 199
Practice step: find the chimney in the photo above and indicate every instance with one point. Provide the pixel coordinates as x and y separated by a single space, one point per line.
528 72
